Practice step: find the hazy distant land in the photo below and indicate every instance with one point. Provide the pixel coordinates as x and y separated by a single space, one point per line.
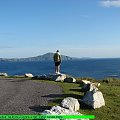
45 57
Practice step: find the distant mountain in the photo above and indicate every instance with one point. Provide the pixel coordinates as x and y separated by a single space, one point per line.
45 57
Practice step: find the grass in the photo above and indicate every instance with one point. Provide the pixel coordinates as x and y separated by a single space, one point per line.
16 77
111 92
110 88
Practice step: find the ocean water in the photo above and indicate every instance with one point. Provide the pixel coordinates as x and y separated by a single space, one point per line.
95 68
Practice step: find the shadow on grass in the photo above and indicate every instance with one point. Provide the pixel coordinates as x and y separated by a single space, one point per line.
80 85
63 96
56 101
57 98
39 108
76 90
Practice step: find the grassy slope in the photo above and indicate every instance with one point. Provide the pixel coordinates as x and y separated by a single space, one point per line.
111 93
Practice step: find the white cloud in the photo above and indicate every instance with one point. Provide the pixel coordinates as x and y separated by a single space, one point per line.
110 3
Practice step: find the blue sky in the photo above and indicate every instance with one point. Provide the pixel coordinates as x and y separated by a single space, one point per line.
78 28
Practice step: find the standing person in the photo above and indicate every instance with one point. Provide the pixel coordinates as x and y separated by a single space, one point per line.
57 60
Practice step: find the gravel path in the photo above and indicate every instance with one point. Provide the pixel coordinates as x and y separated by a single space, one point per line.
21 96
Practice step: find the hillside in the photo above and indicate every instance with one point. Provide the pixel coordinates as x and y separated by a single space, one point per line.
45 57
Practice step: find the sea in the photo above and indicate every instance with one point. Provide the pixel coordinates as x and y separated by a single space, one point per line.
93 68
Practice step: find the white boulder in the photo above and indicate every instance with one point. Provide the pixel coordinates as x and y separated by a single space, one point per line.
57 110
85 81
28 75
90 87
57 77
70 103
61 77
97 84
93 87
4 74
94 99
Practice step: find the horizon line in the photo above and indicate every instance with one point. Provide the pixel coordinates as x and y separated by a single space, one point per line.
61 54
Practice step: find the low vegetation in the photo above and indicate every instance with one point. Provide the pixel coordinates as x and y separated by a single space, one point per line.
110 88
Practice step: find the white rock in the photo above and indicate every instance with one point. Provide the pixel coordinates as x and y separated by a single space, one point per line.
70 103
94 99
93 87
4 74
90 87
57 77
61 77
28 75
97 84
85 82
57 110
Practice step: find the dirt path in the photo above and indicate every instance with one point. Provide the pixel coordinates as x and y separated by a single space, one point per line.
21 96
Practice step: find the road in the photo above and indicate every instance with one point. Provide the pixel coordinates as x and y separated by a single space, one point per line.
22 96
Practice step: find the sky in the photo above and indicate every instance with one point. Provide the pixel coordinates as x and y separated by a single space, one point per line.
78 28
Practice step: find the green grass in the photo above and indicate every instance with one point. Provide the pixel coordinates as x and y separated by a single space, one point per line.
16 77
111 93
13 77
